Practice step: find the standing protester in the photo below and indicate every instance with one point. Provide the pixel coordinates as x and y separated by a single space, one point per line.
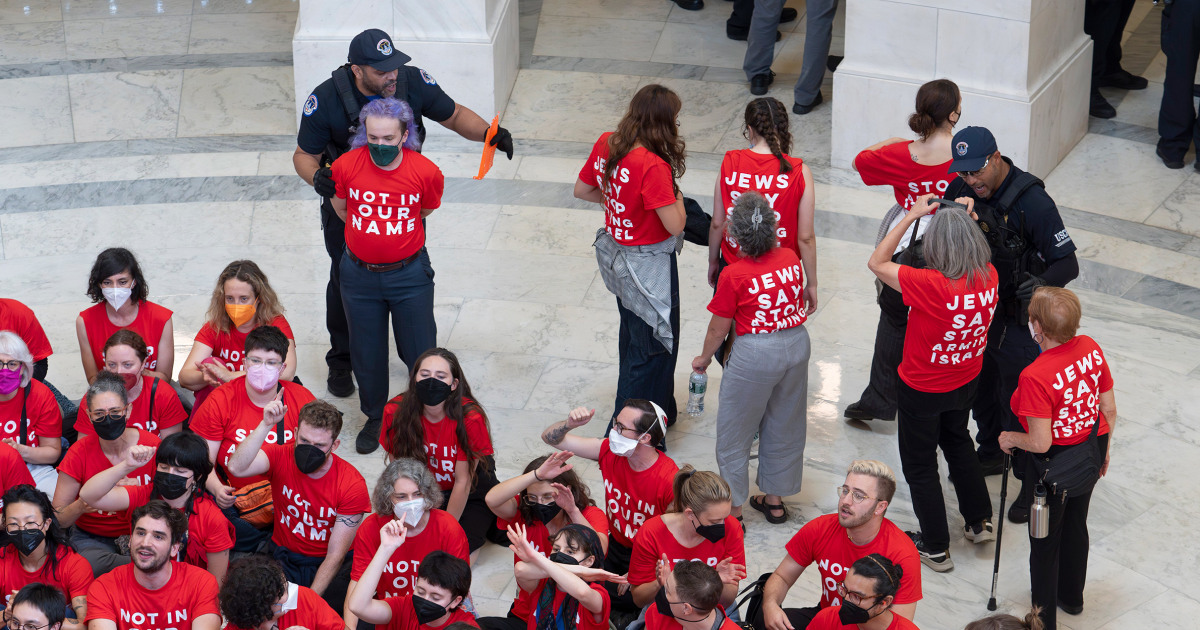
632 172
952 303
760 50
386 188
1062 395
30 420
867 594
331 117
911 168
154 405
256 595
1180 41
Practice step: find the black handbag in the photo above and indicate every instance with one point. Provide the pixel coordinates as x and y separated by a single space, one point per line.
1072 471
752 597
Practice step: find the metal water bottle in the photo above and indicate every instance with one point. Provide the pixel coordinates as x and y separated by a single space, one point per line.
1039 513
697 385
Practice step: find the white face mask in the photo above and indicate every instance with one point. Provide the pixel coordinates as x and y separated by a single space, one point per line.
1032 334
410 511
620 445
116 296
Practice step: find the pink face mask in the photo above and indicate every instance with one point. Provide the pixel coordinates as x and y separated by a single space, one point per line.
10 380
263 377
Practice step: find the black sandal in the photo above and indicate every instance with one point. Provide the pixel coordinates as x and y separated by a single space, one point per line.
766 508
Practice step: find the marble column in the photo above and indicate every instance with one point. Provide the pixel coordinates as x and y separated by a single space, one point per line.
1023 67
470 47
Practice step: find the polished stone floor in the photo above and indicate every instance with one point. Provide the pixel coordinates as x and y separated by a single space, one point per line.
167 126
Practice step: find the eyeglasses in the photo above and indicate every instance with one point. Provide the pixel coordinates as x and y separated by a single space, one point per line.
11 365
856 496
257 361
15 624
853 597
532 499
623 430
12 529
976 173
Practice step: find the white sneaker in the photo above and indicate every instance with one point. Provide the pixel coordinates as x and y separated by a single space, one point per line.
980 532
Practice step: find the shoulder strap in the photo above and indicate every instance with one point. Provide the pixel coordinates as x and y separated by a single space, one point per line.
279 425
25 414
153 389
344 82
1017 187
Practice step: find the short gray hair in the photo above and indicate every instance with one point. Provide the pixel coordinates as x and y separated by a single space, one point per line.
405 468
106 383
12 345
752 224
954 245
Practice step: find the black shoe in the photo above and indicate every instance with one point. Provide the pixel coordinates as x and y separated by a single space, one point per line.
1169 162
992 466
856 411
1100 107
1124 80
368 438
739 34
340 383
937 560
690 5
797 108
833 61
1070 610
760 82
789 14
1018 514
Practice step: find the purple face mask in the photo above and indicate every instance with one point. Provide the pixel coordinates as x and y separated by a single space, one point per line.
263 377
10 380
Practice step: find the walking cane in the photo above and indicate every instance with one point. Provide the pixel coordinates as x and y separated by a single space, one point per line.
991 605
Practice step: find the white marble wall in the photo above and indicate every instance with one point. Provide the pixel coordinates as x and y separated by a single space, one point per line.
1023 67
470 47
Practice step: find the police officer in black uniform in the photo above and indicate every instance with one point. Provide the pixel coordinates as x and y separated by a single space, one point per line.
1178 128
375 70
1030 248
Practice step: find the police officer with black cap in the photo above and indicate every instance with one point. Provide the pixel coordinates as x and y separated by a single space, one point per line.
375 70
1030 248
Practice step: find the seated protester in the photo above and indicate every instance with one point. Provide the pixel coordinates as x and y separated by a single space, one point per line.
561 597
119 292
1032 621
406 491
38 551
437 420
548 497
834 542
37 605
442 586
156 407
30 419
638 479
20 319
867 594
698 526
320 499
257 596
13 471
242 301
688 598
96 532
155 591
182 467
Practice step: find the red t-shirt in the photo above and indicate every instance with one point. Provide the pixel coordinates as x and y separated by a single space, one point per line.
20 319
228 347
73 577
655 539
442 532
828 619
45 418
383 208
630 498
85 460
1064 384
893 166
441 440
228 416
947 328
190 593
762 295
149 323
305 507
823 541
744 170
641 183
168 411
13 472
405 618
538 536
584 619
208 529
656 621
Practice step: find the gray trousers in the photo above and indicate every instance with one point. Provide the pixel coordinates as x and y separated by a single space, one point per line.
760 41
764 389
818 36
100 551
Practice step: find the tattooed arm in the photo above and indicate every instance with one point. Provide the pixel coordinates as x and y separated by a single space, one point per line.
557 435
341 537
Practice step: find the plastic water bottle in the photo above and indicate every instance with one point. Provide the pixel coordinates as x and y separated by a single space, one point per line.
697 385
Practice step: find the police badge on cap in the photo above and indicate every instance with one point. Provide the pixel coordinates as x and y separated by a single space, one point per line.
374 48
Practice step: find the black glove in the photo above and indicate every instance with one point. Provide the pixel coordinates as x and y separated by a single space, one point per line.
503 141
1026 289
323 182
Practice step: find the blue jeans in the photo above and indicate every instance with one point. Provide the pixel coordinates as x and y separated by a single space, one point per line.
647 368
369 297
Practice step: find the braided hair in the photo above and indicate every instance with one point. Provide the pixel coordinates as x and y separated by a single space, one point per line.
768 118
580 537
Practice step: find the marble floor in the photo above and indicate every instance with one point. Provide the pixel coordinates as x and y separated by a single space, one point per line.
167 126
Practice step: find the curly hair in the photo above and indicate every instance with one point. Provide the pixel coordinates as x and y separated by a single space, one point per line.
769 119
752 224
251 588
387 108
267 302
583 497
111 262
412 470
650 122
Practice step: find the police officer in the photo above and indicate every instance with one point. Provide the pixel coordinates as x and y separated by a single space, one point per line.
1180 41
1030 248
375 70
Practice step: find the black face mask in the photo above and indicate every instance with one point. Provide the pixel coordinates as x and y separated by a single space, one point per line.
712 533
431 391
169 485
559 557
546 513
851 614
109 427
308 457
662 604
27 540
426 610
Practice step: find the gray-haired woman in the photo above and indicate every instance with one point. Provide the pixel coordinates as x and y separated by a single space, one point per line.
406 491
951 304
764 388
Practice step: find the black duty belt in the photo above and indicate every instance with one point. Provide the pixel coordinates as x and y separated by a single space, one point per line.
380 268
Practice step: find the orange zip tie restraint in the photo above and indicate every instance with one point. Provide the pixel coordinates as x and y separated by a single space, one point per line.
489 151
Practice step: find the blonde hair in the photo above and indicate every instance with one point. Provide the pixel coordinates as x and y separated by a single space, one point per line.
1058 312
698 489
885 479
1032 621
247 271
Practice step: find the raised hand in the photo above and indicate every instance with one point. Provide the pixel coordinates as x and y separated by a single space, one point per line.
139 455
730 573
393 533
662 568
579 416
520 544
564 498
275 410
554 466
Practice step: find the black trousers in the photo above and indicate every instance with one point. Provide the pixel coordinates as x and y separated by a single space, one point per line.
1010 350
617 561
334 231
477 520
647 368
880 395
508 622
1105 20
798 617
929 421
1180 40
